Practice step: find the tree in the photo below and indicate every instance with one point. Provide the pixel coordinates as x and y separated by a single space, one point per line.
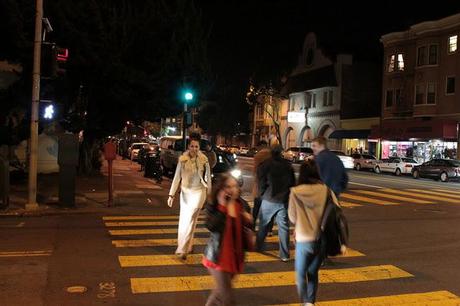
270 99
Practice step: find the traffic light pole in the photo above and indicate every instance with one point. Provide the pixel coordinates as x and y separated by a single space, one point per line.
184 127
33 144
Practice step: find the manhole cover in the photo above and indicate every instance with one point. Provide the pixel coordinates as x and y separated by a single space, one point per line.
76 289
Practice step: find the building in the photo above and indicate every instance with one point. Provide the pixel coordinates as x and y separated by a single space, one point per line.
420 101
332 95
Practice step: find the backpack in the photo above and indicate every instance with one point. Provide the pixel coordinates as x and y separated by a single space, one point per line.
334 227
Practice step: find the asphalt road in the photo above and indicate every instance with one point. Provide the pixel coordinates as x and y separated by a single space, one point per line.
404 241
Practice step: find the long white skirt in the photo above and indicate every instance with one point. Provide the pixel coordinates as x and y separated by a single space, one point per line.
191 202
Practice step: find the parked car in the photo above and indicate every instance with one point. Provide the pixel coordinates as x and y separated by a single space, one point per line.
442 169
363 161
244 151
297 154
252 152
347 161
233 149
133 150
225 165
171 148
396 165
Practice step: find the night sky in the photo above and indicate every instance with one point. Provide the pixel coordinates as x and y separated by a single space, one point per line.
263 39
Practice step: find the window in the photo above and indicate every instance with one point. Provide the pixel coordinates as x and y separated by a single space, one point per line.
431 93
452 44
325 98
309 59
391 63
421 56
419 94
389 98
330 100
400 62
308 101
313 100
433 56
397 96
450 85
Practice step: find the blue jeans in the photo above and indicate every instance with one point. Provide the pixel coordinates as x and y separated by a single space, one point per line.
308 259
278 211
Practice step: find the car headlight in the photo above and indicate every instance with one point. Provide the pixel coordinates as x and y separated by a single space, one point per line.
236 173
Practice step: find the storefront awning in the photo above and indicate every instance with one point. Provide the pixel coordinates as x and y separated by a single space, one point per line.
350 134
415 129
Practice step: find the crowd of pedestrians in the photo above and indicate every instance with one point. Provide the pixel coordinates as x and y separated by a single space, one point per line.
278 198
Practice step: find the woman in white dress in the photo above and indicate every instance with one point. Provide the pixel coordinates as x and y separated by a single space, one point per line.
193 174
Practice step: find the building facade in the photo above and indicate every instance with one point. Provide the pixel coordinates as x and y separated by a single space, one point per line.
420 100
331 95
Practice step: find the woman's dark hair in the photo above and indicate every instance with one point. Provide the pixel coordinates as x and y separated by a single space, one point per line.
309 173
218 186
195 136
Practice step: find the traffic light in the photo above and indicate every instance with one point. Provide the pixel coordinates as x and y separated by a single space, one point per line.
54 60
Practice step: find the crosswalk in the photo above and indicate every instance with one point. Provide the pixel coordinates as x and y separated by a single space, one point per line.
146 243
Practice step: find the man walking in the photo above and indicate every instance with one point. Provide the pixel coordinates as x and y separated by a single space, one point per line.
275 178
262 155
331 169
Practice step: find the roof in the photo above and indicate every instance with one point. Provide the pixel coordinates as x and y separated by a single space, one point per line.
318 78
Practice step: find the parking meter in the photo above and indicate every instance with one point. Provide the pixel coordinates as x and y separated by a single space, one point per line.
68 156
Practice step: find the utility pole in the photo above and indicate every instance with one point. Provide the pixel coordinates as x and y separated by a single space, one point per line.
33 145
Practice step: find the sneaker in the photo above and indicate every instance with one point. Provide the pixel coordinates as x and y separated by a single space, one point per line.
181 256
285 259
270 234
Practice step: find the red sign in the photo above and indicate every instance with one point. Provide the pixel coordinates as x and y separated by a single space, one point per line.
110 151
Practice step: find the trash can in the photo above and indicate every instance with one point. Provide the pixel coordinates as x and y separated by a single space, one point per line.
4 182
153 166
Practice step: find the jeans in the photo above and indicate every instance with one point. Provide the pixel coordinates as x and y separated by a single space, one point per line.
308 259
268 211
255 212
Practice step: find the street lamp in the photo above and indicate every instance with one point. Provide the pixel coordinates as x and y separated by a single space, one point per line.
188 97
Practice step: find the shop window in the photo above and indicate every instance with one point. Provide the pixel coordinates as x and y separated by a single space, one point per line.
431 93
419 94
391 63
433 56
450 85
389 98
421 56
452 43
400 62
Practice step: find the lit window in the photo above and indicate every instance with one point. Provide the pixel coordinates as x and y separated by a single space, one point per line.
431 93
391 63
419 95
400 62
452 44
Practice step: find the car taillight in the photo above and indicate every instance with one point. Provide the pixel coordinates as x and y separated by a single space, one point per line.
408 166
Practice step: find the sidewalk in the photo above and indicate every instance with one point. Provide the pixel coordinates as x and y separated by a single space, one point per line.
131 192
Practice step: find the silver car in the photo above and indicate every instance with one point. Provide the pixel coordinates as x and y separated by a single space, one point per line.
364 161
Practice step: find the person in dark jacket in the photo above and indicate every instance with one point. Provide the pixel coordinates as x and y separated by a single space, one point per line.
331 169
227 217
275 177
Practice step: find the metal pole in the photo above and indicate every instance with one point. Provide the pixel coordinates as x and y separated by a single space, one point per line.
33 146
184 127
254 126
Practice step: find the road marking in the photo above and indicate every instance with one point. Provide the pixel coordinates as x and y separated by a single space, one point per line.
366 199
448 191
393 197
438 193
194 259
424 196
146 217
107 290
439 298
349 204
152 231
153 223
270 279
25 253
366 185
165 242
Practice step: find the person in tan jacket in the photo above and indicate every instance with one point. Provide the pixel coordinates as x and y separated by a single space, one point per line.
306 205
262 155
